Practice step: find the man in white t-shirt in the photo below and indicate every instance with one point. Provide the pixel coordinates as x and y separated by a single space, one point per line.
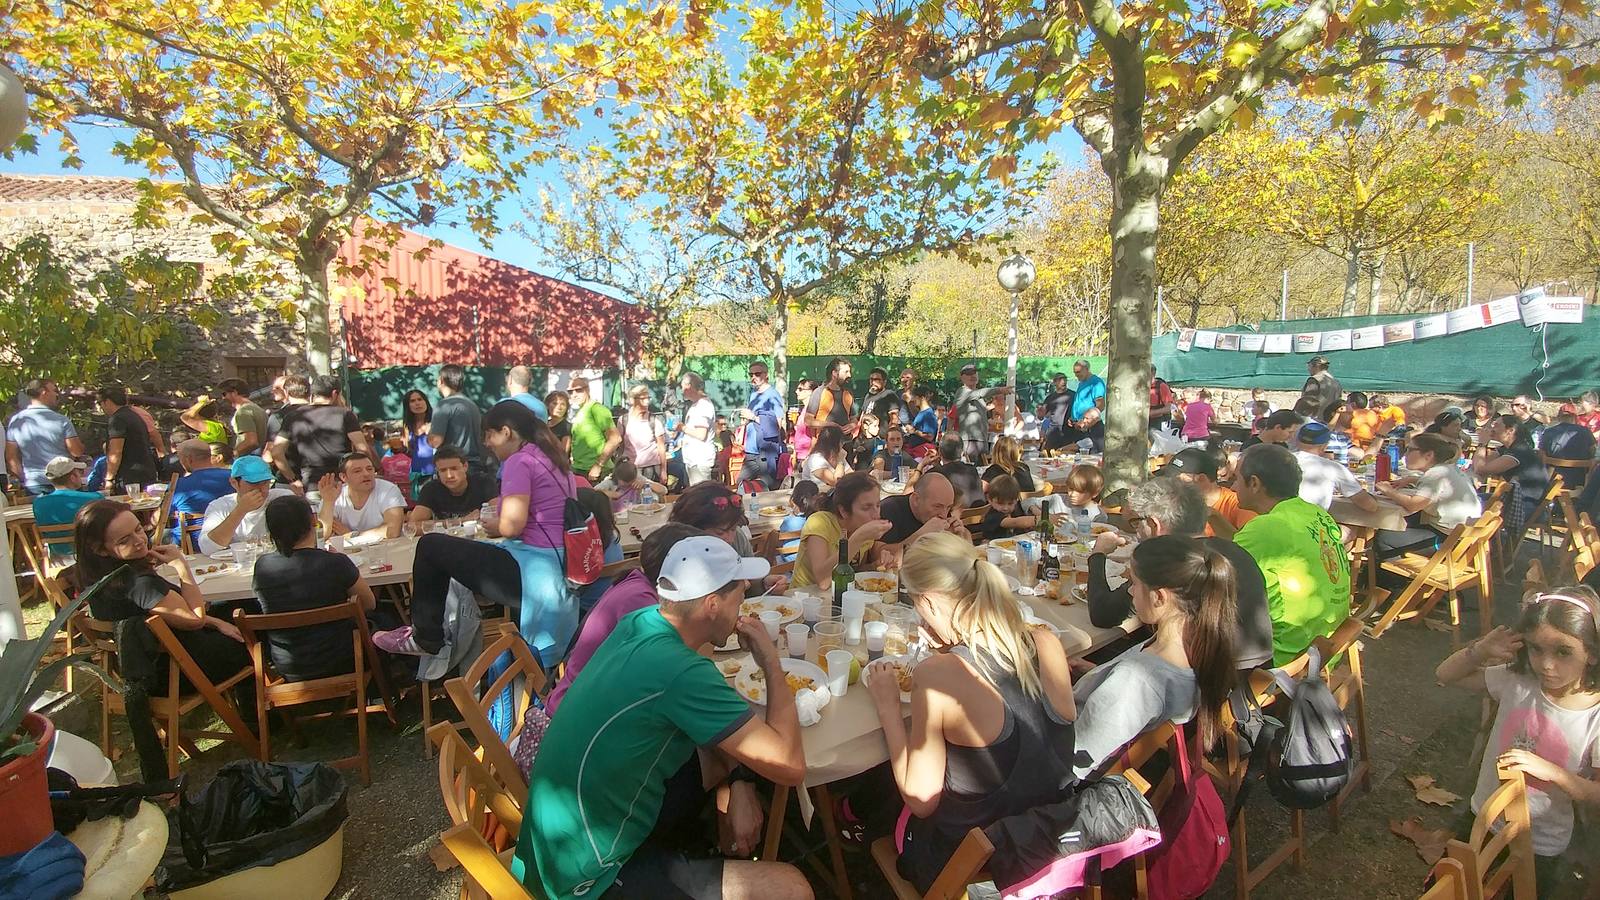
697 431
1321 478
240 516
366 506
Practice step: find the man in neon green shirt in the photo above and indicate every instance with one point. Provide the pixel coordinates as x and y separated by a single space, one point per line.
1299 548
598 791
594 432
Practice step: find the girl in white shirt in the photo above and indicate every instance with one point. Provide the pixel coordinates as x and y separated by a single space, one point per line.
1435 501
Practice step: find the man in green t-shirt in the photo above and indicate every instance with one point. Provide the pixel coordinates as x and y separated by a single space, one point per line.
599 801
1299 548
249 420
594 432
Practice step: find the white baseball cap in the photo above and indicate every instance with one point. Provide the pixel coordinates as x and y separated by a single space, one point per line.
698 566
61 465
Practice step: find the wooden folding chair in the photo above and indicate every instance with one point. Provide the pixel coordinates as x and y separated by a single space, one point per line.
619 568
189 525
1537 523
1447 881
273 691
1493 860
474 706
772 547
1341 653
1462 561
973 515
1586 554
171 708
478 805
163 512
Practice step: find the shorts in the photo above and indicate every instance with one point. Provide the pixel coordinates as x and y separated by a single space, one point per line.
656 873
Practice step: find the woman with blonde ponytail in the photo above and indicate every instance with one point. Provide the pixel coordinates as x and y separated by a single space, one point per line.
991 710
1184 590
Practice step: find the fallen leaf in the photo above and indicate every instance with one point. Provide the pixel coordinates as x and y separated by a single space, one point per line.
1437 796
1430 842
1437 625
1420 782
442 858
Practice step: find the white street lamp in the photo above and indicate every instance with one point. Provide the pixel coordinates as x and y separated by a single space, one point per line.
13 107
1015 275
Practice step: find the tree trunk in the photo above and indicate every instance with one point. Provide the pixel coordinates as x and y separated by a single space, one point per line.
1377 282
1137 179
313 272
780 343
1352 281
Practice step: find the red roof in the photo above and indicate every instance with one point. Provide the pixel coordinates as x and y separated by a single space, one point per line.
67 189
449 305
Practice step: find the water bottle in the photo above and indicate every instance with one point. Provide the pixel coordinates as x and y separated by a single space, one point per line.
752 507
647 497
1082 522
1396 458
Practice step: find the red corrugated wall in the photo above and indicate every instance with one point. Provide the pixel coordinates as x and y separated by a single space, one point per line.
456 306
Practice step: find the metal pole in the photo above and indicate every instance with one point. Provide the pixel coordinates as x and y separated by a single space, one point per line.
1011 358
1283 298
1469 273
816 340
974 346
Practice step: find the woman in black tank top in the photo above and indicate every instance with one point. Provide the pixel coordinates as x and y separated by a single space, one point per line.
991 713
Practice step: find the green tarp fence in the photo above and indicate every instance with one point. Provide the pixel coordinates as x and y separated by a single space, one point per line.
1504 360
380 393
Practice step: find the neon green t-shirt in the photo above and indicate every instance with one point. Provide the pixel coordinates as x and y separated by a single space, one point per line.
589 428
1301 554
645 701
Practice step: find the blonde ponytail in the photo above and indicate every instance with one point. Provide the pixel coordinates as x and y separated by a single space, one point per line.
983 613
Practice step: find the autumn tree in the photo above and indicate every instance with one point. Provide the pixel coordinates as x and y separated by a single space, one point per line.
783 156
1146 83
286 124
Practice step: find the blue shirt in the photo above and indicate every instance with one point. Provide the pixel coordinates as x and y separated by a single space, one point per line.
1089 390
195 491
533 403
927 422
59 507
768 407
40 434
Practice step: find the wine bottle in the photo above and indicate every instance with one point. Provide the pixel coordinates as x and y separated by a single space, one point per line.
1049 563
843 575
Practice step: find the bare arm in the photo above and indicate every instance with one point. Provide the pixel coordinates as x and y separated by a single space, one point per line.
419 514
361 592
75 447
185 608
360 444
1488 462
1406 500
245 442
1464 668
1364 501
14 461
771 746
279 459
113 458
513 516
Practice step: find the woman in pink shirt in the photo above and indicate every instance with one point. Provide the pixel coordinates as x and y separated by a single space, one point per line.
1197 416
527 571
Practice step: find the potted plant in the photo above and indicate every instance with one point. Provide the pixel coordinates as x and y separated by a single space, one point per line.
25 736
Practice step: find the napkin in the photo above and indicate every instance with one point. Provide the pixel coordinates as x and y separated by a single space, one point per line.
808 706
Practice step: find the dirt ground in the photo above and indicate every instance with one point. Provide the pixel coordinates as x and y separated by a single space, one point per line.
1417 728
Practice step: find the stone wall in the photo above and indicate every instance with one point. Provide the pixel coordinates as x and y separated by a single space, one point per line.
253 335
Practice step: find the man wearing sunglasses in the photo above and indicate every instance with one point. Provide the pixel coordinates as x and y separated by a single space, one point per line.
763 431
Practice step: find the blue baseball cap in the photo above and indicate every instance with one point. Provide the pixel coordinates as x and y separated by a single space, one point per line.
251 470
1315 433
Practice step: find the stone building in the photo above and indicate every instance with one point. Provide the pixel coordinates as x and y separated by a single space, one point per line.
91 220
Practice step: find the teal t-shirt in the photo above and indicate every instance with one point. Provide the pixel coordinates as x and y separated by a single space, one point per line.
645 701
1300 552
59 507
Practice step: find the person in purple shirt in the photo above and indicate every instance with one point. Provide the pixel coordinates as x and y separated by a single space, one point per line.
633 591
527 571
763 435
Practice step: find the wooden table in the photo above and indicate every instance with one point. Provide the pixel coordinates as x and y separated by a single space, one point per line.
1364 527
849 739
25 544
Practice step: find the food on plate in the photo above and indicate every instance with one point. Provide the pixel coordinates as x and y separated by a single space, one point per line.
1004 544
787 611
748 608
800 682
1101 528
207 570
729 667
878 585
774 510
902 677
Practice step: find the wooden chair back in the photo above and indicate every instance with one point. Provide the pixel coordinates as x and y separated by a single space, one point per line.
1572 471
189 531
163 514
973 515
620 568
1496 860
1586 554
772 547
1495 505
1408 603
474 707
477 805
1447 881
273 691
62 535
175 704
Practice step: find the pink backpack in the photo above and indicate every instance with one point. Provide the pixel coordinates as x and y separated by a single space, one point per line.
1194 830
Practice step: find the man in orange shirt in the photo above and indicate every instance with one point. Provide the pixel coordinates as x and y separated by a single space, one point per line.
1390 415
1199 468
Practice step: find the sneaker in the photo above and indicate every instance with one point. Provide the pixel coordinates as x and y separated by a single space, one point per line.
397 640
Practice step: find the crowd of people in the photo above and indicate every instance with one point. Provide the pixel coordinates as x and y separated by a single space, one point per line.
1238 564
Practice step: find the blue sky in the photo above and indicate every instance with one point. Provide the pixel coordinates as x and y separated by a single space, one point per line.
95 143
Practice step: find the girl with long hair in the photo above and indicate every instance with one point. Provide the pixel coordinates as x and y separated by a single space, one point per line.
1006 459
298 575
826 464
714 508
417 418
803 437
1184 591
527 572
849 512
992 711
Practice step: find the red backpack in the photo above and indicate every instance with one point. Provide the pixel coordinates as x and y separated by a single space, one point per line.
1194 832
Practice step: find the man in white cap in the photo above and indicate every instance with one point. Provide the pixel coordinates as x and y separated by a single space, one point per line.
66 497
603 787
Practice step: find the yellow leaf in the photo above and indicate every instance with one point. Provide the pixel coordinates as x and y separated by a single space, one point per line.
1001 167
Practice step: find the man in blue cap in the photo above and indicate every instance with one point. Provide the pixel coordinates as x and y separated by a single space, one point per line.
239 516
1321 478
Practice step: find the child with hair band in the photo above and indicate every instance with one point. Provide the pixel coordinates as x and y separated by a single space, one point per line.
1545 674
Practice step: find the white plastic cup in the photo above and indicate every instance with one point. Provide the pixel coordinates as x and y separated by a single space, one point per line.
877 633
839 662
811 607
798 635
771 618
997 556
852 609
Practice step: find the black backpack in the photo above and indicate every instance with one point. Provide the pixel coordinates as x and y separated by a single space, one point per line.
1305 760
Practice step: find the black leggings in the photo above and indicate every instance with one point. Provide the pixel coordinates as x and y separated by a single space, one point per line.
483 568
1416 536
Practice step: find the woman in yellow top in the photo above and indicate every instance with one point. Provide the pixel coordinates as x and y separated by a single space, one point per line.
850 509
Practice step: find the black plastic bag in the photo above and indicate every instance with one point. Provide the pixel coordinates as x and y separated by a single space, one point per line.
252 814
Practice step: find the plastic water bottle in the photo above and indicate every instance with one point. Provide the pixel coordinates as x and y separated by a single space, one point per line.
1082 522
647 497
752 507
